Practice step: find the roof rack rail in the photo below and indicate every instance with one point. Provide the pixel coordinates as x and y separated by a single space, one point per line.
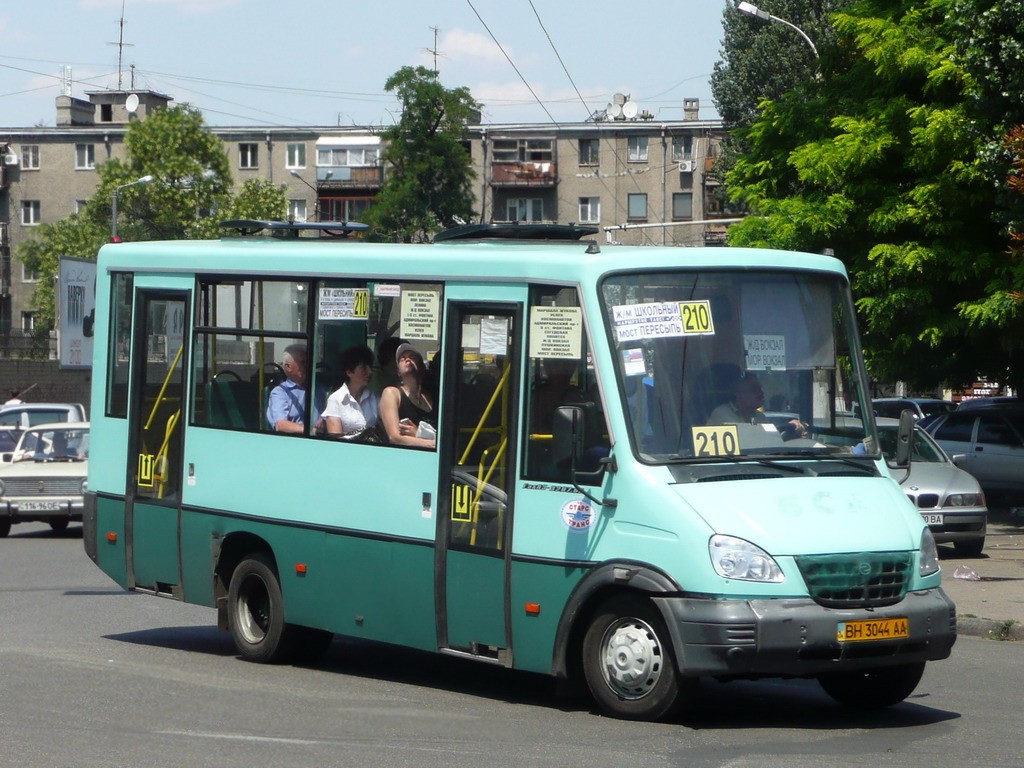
293 228
515 231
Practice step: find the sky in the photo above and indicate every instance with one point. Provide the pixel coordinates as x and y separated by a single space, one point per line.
325 62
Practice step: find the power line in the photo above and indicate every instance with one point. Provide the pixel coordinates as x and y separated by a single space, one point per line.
559 57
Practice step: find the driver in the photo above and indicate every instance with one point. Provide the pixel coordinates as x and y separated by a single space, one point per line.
746 406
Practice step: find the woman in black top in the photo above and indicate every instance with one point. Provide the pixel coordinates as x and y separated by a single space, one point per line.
402 408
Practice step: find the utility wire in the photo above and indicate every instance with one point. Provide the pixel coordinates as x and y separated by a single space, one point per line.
559 57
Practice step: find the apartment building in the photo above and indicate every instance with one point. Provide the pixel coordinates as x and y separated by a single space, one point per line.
641 180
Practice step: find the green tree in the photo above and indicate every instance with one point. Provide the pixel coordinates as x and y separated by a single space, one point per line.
428 169
880 160
764 59
190 192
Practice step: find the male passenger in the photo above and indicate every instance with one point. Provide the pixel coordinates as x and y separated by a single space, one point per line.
286 407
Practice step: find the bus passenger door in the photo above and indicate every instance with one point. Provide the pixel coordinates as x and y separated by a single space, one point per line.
481 369
157 416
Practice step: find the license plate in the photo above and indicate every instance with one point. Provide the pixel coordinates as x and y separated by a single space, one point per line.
39 506
872 629
932 519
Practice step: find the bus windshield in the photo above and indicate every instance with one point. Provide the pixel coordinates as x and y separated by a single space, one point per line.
728 363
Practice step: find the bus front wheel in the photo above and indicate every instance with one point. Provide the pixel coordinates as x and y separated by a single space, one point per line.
256 611
873 688
628 661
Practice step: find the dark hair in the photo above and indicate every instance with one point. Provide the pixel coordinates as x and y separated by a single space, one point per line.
386 350
353 357
421 366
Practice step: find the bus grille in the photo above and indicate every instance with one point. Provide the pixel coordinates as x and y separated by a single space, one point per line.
856 580
39 486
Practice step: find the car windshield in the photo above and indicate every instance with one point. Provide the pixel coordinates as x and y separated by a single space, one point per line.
53 444
724 364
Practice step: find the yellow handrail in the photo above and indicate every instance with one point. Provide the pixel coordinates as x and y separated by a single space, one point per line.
163 387
487 412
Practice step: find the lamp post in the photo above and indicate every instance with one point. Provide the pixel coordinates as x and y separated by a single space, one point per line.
316 192
752 10
113 207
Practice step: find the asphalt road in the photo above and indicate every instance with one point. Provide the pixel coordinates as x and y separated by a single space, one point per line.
93 676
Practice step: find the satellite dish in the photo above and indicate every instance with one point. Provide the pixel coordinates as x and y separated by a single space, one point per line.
629 110
614 110
619 99
132 103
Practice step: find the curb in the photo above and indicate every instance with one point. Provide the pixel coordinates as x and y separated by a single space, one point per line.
990 628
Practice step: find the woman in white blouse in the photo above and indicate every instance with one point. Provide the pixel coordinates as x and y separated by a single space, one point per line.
354 407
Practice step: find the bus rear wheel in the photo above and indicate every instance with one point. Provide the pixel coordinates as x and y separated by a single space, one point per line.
873 688
5 526
256 612
628 661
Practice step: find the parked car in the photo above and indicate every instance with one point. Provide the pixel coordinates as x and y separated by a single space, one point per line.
46 479
988 443
892 407
14 418
949 499
987 402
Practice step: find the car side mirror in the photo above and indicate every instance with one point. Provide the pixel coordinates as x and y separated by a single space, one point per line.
905 439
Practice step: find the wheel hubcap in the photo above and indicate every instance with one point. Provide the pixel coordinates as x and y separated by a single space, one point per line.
632 658
254 610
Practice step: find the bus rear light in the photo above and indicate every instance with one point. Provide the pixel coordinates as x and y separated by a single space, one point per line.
532 609
300 568
112 537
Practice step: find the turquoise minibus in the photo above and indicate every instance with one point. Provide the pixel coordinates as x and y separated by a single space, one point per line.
644 466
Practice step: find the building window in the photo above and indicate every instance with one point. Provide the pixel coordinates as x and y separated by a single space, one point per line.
30 212
85 156
637 149
523 151
296 156
343 208
248 155
339 157
525 209
296 210
682 148
28 321
590 210
30 157
682 205
29 275
590 151
636 205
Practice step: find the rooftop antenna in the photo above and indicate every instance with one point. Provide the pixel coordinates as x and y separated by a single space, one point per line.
433 51
120 49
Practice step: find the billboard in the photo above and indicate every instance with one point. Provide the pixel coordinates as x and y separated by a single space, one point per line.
76 311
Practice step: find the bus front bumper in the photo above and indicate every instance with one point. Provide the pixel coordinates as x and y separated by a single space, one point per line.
798 637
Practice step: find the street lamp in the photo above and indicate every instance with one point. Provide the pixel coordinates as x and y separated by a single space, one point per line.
753 10
113 207
316 191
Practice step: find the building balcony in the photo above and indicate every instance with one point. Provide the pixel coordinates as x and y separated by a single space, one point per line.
523 174
350 176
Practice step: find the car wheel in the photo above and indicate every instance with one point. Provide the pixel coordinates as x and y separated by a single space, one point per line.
873 688
256 612
59 524
628 661
969 548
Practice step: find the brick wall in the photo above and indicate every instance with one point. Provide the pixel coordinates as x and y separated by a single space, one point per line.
51 384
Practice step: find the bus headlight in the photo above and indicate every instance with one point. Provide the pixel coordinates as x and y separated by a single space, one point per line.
929 554
735 558
85 486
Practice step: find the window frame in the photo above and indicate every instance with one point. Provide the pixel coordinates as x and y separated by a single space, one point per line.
30 157
591 156
592 203
35 210
637 149
248 155
295 155
630 215
678 196
85 157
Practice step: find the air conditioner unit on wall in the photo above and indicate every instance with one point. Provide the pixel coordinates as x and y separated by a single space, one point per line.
686 166
10 159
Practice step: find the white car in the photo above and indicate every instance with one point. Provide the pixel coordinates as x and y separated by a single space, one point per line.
949 499
46 480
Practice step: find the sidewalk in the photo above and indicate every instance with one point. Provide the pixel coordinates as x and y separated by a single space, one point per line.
994 605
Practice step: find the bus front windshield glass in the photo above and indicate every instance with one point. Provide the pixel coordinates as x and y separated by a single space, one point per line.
717 365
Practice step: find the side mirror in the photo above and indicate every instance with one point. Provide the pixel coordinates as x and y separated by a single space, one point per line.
567 438
905 439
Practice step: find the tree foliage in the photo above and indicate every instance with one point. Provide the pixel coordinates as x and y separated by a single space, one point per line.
429 171
189 194
762 59
882 160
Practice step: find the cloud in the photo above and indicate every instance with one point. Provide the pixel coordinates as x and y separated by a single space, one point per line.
462 47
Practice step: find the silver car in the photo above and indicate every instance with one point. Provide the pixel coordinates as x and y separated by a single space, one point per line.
949 499
46 481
